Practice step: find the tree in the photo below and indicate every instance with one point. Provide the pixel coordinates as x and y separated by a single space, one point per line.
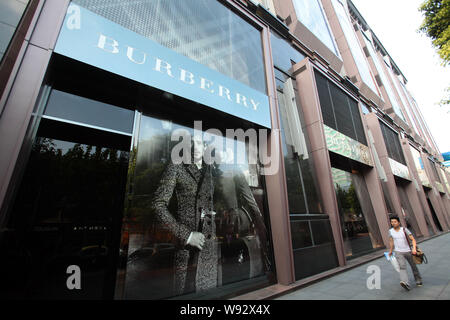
436 25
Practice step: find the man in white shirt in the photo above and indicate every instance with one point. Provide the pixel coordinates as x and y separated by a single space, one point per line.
403 251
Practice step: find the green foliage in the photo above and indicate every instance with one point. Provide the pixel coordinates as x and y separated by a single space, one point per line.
436 25
445 102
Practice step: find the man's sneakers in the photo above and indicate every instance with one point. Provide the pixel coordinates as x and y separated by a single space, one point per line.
405 285
419 284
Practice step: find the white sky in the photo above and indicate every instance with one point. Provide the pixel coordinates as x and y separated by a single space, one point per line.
395 22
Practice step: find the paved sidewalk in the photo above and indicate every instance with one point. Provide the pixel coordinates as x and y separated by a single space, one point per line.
352 284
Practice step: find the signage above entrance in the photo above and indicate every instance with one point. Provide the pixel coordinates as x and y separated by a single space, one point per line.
399 170
346 146
92 39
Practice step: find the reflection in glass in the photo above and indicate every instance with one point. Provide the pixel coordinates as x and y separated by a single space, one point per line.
190 228
394 81
283 54
386 83
203 30
310 13
359 227
408 108
354 45
11 12
301 184
63 105
301 234
66 213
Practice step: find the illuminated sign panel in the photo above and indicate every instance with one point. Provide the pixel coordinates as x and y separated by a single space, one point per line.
92 39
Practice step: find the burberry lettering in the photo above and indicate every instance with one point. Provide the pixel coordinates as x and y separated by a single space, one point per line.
157 64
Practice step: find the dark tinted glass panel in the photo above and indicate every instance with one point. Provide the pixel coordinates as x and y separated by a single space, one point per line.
343 115
388 140
392 142
296 195
357 122
78 109
325 101
67 212
205 31
322 233
397 148
310 259
301 234
339 111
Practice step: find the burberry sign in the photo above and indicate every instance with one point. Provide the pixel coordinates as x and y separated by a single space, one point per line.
97 41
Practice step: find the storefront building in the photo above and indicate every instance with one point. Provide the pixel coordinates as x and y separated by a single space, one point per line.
314 136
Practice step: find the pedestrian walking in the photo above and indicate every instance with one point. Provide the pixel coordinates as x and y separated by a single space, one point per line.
399 243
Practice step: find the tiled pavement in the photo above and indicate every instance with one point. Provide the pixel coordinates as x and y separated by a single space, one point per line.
352 284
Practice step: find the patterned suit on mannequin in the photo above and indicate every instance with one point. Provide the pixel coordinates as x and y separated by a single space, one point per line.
195 270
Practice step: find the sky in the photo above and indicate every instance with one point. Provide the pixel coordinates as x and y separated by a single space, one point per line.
395 22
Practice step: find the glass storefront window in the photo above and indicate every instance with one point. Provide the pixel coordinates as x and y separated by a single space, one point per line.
98 193
311 14
173 209
354 45
67 213
203 30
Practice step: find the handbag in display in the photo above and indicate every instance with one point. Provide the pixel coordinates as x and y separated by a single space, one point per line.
420 256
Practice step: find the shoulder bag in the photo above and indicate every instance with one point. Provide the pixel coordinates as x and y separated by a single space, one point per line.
420 256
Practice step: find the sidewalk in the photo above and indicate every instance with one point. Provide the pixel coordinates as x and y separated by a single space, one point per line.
352 284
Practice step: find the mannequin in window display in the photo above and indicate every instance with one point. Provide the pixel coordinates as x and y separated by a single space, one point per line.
241 225
193 226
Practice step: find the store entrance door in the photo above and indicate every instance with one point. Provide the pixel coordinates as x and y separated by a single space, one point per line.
359 227
61 236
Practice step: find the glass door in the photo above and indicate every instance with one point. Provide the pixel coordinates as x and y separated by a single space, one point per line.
359 227
61 236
